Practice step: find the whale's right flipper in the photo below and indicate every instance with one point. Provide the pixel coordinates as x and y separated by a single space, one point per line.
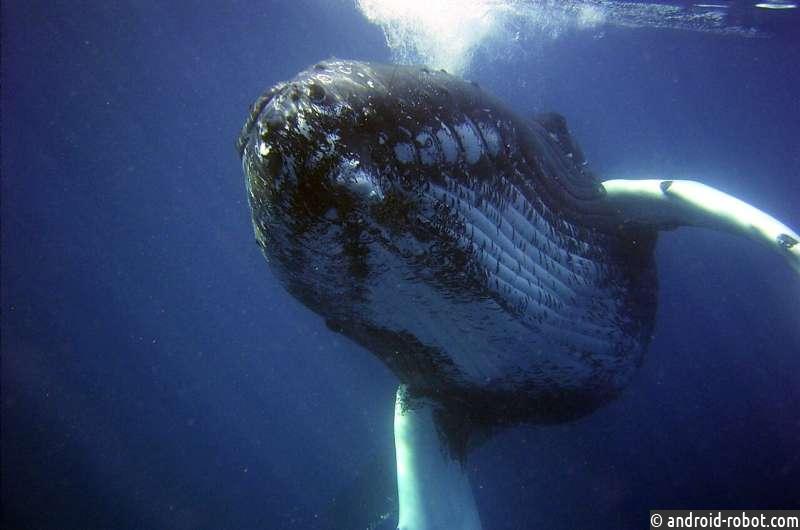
432 485
665 204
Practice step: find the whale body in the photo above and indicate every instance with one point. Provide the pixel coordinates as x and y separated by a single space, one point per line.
469 249
466 247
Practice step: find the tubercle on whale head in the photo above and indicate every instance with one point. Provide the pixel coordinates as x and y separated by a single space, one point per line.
312 185
299 135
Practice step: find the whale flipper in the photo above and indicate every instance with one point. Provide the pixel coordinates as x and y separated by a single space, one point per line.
432 483
667 204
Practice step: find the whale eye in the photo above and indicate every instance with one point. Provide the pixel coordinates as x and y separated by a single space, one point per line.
316 93
785 241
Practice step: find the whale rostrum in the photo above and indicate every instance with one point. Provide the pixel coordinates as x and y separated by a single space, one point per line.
469 249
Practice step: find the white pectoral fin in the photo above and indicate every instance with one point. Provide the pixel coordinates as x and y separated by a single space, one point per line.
670 203
433 487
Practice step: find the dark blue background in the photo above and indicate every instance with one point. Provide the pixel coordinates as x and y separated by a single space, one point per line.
155 375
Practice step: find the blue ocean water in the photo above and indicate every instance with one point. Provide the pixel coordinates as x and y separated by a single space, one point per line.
156 375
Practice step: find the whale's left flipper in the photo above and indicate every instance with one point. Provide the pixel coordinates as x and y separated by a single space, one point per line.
665 204
432 484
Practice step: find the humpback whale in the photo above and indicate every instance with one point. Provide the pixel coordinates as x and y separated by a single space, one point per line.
470 249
